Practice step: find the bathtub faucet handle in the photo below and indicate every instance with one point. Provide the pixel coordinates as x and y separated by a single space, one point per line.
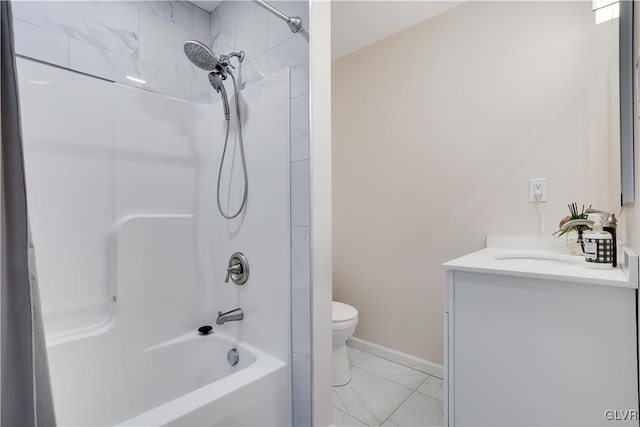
237 269
233 269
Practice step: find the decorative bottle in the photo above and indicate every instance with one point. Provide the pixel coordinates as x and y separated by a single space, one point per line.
598 245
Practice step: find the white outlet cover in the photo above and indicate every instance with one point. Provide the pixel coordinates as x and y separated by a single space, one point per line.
532 185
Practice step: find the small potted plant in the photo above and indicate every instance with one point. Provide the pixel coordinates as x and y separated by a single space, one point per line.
567 226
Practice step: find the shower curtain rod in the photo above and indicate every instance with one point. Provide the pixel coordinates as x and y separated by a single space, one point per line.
294 22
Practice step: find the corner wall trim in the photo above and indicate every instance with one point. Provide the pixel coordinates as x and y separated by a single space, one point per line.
404 359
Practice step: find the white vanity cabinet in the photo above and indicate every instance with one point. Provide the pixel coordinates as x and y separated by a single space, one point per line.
534 346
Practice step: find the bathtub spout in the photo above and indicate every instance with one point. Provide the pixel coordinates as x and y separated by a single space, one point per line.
229 316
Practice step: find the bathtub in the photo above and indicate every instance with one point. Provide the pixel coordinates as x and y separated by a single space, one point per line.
147 365
186 381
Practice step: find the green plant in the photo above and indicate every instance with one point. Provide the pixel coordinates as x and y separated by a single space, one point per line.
573 209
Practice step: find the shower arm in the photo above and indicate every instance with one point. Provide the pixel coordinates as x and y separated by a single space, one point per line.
294 22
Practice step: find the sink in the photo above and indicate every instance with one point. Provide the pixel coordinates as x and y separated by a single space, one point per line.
534 260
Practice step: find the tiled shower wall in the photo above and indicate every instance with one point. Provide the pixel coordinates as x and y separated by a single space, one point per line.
270 46
116 39
143 39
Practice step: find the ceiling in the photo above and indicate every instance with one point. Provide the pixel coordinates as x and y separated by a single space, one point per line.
207 5
359 23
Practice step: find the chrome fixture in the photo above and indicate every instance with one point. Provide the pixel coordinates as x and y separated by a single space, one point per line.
200 55
237 269
219 68
230 316
233 356
294 22
215 79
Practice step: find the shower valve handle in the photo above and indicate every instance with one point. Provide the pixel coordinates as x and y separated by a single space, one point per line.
237 269
233 269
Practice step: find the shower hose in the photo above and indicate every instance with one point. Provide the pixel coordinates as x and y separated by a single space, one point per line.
224 153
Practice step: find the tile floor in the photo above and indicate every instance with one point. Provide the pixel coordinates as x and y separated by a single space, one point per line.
384 393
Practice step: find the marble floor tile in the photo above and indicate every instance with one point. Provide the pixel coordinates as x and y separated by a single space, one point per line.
417 410
356 356
336 401
342 419
368 397
433 387
394 372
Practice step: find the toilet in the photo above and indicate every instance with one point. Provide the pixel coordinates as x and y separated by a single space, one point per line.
345 320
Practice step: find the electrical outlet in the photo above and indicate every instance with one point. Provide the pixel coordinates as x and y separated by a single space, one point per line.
538 190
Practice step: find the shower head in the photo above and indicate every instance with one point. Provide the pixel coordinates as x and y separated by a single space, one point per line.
216 81
200 55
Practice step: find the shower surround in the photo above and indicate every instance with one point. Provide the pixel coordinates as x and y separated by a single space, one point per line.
134 251
144 39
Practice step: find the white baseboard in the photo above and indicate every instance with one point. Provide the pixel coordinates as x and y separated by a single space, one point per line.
404 359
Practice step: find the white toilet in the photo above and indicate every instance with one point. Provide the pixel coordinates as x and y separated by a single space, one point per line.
345 320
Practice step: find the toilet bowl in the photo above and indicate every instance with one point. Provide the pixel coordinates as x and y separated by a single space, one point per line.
345 320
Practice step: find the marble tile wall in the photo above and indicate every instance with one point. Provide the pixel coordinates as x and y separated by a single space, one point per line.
115 39
270 46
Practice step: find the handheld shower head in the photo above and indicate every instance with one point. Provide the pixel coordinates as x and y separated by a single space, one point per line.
200 55
216 81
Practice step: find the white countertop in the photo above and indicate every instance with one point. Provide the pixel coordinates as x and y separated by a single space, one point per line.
485 261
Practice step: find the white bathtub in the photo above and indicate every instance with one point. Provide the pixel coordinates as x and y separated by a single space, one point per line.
148 366
186 381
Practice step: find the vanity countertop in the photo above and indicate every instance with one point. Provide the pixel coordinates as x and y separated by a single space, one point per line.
546 263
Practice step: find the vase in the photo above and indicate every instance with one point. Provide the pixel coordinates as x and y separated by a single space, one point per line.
575 242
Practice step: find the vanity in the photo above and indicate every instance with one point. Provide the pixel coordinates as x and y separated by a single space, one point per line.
534 337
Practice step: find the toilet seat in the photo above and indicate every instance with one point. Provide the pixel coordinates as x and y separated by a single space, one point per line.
343 312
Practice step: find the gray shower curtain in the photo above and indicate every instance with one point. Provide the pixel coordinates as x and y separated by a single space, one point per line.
25 392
